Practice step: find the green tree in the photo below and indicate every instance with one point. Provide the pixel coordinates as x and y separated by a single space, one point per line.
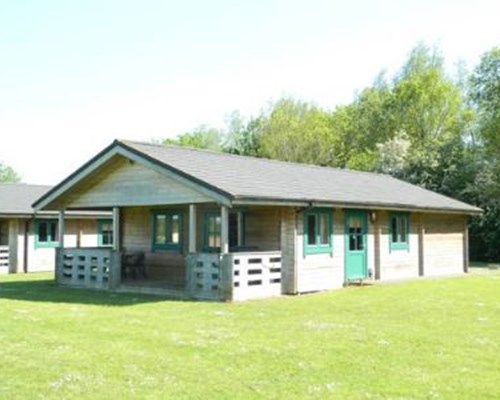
485 94
7 174
293 130
203 137
243 137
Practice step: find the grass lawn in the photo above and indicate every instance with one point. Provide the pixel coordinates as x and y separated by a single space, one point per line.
421 339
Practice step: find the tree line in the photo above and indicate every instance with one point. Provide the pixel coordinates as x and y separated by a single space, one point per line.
421 125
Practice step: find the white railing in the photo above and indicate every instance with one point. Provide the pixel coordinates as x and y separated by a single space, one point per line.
87 267
4 258
255 275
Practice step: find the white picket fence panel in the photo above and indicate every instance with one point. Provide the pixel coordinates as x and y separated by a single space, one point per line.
256 275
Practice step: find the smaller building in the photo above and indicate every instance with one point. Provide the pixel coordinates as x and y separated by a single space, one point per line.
28 241
200 224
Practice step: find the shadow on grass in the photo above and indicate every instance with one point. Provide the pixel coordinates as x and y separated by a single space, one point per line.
46 290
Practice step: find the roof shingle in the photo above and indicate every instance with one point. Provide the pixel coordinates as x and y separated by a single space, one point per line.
256 178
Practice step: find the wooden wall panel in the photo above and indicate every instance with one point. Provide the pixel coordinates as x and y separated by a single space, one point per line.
397 264
124 183
321 271
443 244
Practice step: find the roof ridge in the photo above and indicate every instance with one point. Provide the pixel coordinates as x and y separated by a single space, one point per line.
270 160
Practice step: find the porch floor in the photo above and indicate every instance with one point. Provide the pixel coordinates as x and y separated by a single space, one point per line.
154 286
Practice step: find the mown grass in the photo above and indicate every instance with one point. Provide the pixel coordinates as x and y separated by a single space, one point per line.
421 339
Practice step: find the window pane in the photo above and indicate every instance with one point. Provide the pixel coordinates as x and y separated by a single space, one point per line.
174 229
233 229
43 235
324 234
394 230
53 231
213 229
352 239
217 238
161 228
311 229
106 233
402 229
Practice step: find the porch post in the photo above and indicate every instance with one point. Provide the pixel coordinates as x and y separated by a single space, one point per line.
192 228
421 249
60 229
226 265
116 229
115 270
224 232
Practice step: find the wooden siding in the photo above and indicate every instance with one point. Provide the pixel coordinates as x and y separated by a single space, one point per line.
443 244
321 271
77 233
263 228
397 264
125 183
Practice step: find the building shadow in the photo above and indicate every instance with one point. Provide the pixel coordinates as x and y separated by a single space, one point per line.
47 291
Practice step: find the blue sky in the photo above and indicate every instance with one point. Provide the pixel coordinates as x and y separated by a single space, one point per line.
76 75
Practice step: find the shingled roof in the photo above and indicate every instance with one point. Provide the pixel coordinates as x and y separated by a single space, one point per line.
249 179
16 198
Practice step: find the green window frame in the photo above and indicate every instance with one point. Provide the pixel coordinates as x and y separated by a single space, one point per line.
318 231
46 233
167 230
399 231
105 235
212 223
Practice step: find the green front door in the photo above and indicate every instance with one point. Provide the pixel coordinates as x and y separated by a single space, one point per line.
356 226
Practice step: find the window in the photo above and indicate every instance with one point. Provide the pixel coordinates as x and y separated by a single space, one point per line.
167 228
46 233
355 232
105 233
399 229
212 232
318 228
236 229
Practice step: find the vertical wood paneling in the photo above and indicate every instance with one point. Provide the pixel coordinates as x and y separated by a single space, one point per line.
443 244
321 271
398 264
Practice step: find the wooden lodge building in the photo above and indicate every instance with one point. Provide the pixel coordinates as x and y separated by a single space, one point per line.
28 241
200 224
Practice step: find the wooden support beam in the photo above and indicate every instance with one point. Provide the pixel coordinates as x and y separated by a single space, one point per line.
421 250
377 244
116 228
192 228
60 229
224 234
